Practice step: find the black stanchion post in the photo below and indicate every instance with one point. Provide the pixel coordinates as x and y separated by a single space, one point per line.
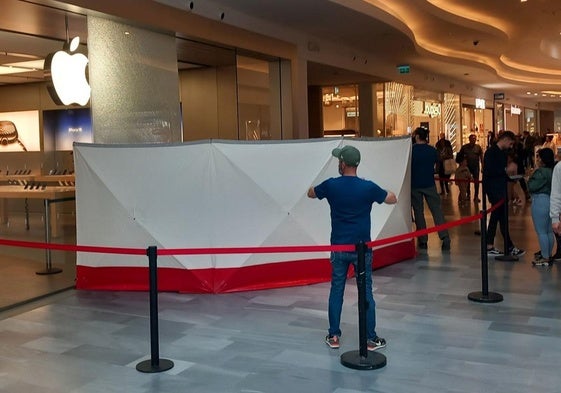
484 296
49 269
155 364
361 359
507 257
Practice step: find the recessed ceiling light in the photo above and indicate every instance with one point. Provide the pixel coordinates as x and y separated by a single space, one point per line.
528 92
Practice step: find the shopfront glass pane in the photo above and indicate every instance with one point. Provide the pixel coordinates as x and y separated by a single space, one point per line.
451 120
398 100
258 98
380 129
499 117
340 110
530 120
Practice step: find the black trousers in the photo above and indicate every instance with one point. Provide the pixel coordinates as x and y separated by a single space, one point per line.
498 216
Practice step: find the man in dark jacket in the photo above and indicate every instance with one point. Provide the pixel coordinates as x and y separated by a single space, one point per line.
474 154
496 173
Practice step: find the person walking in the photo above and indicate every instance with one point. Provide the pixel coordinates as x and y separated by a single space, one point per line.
462 177
445 152
474 154
539 185
350 199
423 161
495 176
555 208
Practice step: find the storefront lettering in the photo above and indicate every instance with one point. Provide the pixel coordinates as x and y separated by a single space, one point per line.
432 109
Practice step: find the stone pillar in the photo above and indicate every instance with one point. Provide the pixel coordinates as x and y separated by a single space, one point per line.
135 84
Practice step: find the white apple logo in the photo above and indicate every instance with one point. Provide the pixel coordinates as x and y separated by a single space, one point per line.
68 73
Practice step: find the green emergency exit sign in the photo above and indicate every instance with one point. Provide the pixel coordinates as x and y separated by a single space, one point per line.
403 69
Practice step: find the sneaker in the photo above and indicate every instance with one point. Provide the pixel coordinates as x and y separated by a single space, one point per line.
556 257
516 252
494 252
375 344
542 262
538 255
332 341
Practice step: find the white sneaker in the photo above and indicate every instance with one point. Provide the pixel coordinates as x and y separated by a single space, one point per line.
542 262
494 252
517 252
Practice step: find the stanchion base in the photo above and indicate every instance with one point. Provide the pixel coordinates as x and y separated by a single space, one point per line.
147 367
506 258
52 270
352 359
490 297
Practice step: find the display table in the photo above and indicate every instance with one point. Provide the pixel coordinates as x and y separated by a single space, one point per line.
16 179
61 180
48 194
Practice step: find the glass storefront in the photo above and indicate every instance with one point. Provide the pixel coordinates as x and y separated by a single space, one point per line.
406 108
258 85
476 121
340 111
530 120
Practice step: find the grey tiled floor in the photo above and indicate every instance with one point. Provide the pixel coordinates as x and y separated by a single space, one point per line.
272 340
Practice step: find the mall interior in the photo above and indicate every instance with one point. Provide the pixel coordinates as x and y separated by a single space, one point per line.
252 71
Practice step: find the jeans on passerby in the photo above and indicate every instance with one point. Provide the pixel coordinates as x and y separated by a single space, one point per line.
340 262
418 195
542 223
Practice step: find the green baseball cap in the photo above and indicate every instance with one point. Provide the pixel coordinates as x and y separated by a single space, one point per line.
348 154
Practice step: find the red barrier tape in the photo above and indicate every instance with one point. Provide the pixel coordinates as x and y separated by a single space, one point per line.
457 180
246 250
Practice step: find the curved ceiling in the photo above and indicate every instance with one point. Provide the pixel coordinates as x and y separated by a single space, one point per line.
510 45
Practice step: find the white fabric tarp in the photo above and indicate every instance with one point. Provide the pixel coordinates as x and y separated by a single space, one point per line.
224 194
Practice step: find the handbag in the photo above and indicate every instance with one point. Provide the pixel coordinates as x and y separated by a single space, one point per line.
449 166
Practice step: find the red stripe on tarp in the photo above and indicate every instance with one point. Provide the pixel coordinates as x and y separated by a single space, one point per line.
247 278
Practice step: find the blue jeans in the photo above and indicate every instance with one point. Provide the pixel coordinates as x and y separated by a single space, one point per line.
340 262
542 223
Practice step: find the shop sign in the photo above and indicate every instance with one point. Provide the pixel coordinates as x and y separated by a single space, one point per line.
515 110
479 103
432 109
499 96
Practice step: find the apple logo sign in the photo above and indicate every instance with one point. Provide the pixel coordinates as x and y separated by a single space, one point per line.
68 75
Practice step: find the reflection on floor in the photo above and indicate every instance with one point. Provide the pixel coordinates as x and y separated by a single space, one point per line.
272 340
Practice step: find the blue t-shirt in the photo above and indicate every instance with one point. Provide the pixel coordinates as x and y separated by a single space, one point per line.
423 159
350 199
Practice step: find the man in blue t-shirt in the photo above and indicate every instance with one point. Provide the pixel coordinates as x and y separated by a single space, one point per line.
350 199
423 160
